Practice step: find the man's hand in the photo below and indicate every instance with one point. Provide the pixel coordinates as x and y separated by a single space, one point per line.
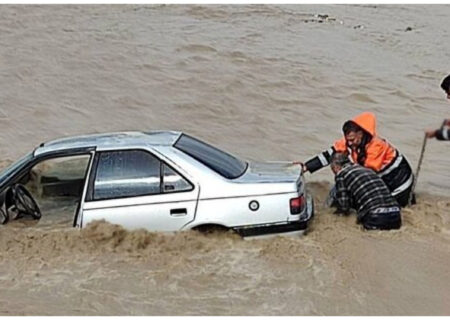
304 168
430 133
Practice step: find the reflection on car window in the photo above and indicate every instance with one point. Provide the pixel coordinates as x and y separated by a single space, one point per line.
223 163
126 174
173 182
57 185
61 176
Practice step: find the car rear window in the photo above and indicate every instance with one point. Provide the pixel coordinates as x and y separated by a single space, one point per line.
221 162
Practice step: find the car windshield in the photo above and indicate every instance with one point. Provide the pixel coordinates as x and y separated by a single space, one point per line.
223 163
12 169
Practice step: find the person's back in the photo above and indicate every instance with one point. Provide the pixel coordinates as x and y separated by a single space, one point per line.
362 189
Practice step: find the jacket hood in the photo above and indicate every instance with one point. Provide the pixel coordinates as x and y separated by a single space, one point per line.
367 122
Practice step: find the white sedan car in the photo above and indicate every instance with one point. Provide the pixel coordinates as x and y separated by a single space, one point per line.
160 181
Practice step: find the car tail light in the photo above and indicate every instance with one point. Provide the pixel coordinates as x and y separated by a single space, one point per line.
297 204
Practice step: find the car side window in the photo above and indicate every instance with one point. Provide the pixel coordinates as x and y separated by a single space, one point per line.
173 182
127 173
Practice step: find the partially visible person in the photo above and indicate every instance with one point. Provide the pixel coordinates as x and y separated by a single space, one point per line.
367 149
443 133
362 189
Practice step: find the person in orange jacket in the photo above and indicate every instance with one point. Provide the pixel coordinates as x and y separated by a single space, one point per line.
443 133
366 148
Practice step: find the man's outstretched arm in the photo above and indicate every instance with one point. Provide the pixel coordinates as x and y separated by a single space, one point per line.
318 162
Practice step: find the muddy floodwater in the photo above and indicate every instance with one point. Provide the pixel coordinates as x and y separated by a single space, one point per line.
264 82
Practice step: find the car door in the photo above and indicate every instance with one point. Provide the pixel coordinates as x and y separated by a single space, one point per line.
135 189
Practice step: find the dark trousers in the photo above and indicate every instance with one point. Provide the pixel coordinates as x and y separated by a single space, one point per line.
403 197
382 219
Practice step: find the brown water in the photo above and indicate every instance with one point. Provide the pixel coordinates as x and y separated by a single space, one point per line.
264 82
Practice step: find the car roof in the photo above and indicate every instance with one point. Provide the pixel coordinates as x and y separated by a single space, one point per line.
111 140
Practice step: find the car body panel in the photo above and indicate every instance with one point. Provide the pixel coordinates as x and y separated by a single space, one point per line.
108 141
270 172
163 212
77 220
217 211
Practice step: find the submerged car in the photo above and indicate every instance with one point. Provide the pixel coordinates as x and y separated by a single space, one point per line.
159 181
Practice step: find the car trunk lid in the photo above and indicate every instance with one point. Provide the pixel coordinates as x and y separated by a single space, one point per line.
271 172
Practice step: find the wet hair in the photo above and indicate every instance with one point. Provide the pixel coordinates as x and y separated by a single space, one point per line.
445 85
339 159
350 126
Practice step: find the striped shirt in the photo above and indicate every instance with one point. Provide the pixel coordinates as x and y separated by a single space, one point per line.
362 189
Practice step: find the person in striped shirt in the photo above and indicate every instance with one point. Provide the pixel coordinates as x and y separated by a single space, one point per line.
443 133
361 189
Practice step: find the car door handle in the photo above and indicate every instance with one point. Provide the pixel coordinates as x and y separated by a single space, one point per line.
178 212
